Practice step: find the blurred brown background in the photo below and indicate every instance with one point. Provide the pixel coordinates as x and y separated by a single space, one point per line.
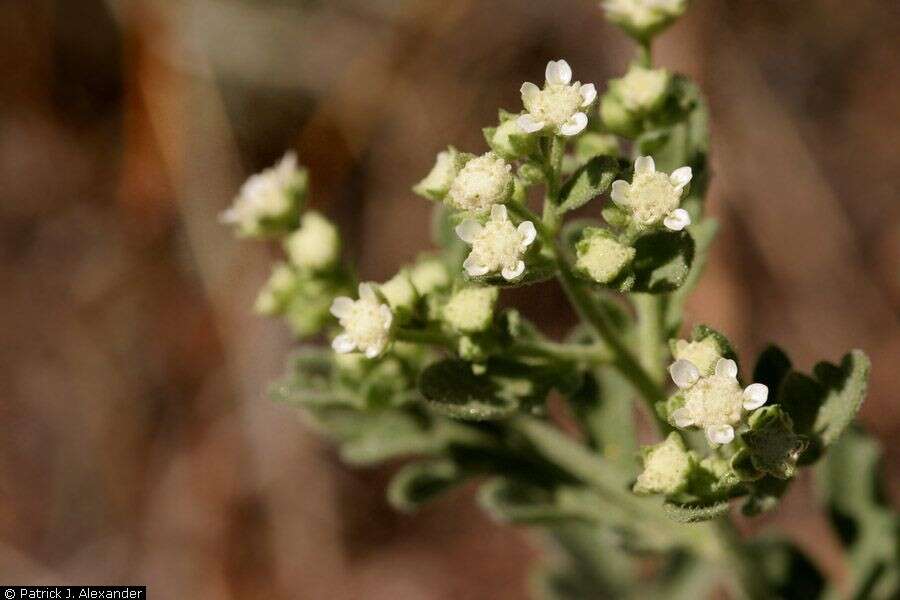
138 446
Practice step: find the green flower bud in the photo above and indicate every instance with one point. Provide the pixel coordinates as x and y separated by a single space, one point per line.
471 309
616 118
277 291
429 274
400 293
641 91
316 245
642 19
438 181
704 354
600 256
509 141
593 144
667 467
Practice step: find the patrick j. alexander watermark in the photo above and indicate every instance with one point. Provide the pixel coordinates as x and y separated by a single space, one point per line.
74 592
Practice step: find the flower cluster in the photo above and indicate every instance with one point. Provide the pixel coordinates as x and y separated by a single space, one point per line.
366 322
559 106
714 403
497 245
643 18
269 202
653 197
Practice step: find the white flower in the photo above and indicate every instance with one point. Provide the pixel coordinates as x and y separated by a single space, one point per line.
714 403
653 196
482 183
272 195
559 106
641 89
498 245
315 245
366 323
643 17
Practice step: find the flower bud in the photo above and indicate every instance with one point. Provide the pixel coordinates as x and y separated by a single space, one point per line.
642 19
428 275
315 245
438 181
641 91
482 183
702 354
508 141
471 309
399 292
667 467
600 256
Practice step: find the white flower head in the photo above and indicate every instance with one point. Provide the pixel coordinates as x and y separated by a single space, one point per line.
498 245
600 256
715 402
641 89
315 245
560 106
267 198
482 183
642 18
366 323
653 197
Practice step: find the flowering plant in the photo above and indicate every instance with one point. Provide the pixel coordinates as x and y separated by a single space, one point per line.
425 366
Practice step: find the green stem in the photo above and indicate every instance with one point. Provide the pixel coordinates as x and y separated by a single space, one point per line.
651 335
623 359
742 562
645 54
591 355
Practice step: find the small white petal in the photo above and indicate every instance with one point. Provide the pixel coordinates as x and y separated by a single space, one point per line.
682 417
684 373
498 212
510 274
341 306
725 367
387 316
558 72
468 229
619 193
755 395
528 232
528 124
644 164
681 177
367 292
574 125
677 220
343 344
529 91
720 434
473 268
588 93
229 216
373 351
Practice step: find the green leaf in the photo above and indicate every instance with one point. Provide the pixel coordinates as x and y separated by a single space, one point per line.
845 389
773 445
821 407
694 513
420 482
513 501
662 262
867 526
589 181
537 269
772 367
788 573
452 389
